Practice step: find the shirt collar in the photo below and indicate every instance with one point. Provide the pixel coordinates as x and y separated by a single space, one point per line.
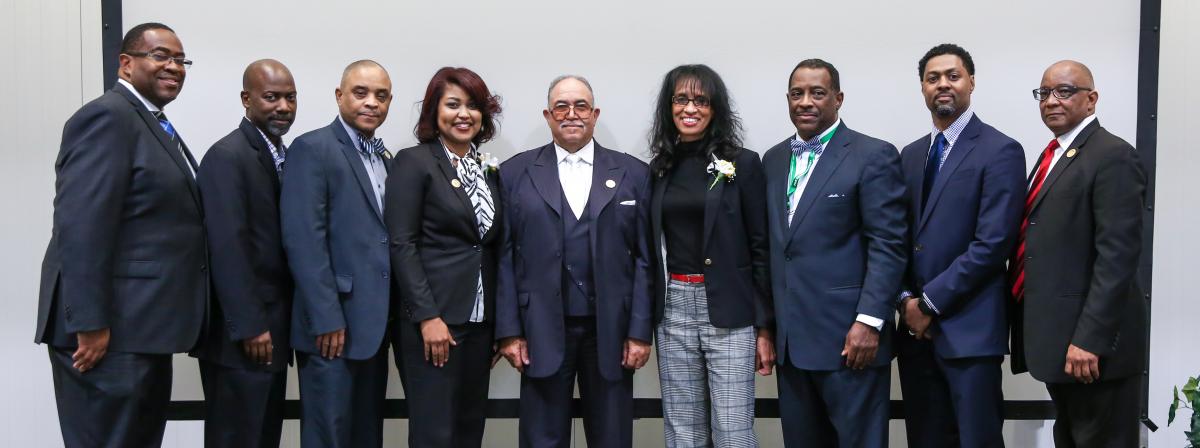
586 153
452 156
825 132
955 129
1066 140
353 133
139 96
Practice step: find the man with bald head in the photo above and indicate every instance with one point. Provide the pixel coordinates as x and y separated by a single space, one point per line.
1079 320
245 354
573 290
331 208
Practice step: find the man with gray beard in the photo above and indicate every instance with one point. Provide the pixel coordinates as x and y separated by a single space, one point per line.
244 357
966 187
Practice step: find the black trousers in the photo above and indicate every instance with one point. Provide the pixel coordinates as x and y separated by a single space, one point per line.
447 405
950 403
243 408
120 403
546 402
1102 414
840 408
341 400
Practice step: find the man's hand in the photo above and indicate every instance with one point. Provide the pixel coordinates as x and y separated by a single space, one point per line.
259 348
636 354
330 344
861 343
915 320
516 352
764 352
93 345
438 340
1082 364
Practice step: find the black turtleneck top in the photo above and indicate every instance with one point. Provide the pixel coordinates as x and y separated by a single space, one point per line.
683 209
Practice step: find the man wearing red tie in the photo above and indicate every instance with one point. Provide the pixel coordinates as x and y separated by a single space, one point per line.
1079 322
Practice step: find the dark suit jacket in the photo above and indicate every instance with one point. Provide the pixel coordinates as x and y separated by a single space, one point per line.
737 281
1082 247
436 249
962 239
250 275
529 301
127 250
336 244
843 254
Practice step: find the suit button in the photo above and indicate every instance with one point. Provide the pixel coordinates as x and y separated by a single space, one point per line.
383 240
557 254
476 247
708 261
385 274
918 247
203 268
787 258
1033 223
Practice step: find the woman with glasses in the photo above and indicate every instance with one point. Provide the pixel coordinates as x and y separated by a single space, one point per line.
712 291
442 211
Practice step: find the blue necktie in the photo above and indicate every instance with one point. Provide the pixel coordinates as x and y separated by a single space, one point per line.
369 146
932 166
166 125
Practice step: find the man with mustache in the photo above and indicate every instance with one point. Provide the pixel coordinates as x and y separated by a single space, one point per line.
125 278
966 184
331 208
574 292
835 206
244 358
1079 316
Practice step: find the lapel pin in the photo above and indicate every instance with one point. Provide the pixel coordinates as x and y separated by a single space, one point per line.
610 183
1071 153
455 183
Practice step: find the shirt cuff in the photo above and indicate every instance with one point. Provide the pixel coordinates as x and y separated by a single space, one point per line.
874 322
927 306
904 295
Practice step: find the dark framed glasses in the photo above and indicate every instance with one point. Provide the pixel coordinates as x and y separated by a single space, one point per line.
700 101
561 111
1061 92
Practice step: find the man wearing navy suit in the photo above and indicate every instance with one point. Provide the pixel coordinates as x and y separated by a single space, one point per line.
966 184
337 248
245 354
125 280
836 209
574 287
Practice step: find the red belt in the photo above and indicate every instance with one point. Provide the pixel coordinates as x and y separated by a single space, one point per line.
688 278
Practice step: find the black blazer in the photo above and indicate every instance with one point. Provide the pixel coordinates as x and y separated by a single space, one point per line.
1082 248
436 249
127 250
736 248
250 276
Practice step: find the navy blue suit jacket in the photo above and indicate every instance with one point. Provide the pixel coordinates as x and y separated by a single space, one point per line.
844 252
250 276
128 250
529 301
336 244
963 237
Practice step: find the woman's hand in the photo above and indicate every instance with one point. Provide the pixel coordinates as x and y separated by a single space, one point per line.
437 341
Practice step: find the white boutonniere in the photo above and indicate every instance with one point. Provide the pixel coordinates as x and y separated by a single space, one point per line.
488 162
721 169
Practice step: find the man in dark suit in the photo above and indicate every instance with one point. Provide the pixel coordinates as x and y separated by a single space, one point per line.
124 280
836 208
574 293
1080 320
337 249
966 184
245 354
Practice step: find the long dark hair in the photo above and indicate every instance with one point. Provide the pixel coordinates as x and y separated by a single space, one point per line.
722 138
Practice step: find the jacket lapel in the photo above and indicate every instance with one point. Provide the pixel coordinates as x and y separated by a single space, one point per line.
544 174
712 201
835 151
170 147
777 171
1064 161
659 191
962 148
356 165
604 170
262 152
449 175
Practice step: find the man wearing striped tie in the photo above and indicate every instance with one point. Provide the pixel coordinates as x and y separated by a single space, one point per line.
331 210
125 280
1080 319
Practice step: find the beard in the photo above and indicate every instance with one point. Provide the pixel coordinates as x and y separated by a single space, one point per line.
277 130
945 110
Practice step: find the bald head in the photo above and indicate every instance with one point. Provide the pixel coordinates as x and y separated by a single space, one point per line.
1072 97
363 65
269 96
364 96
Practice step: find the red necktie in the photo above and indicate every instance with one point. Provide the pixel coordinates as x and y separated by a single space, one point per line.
1016 267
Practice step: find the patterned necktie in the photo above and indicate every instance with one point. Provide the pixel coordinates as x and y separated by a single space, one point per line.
813 148
170 130
166 124
1016 266
476 188
369 146
932 166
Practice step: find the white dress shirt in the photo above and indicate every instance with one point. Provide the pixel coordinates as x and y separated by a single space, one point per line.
1065 141
575 175
152 108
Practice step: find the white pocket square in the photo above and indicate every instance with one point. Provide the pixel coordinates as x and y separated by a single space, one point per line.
836 195
629 202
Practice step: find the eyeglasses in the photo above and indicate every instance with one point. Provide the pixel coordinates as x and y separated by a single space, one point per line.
700 101
1061 92
162 58
582 110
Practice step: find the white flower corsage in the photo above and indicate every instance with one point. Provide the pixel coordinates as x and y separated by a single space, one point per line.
489 163
721 169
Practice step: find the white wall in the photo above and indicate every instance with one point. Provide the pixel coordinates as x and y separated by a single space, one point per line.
623 47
